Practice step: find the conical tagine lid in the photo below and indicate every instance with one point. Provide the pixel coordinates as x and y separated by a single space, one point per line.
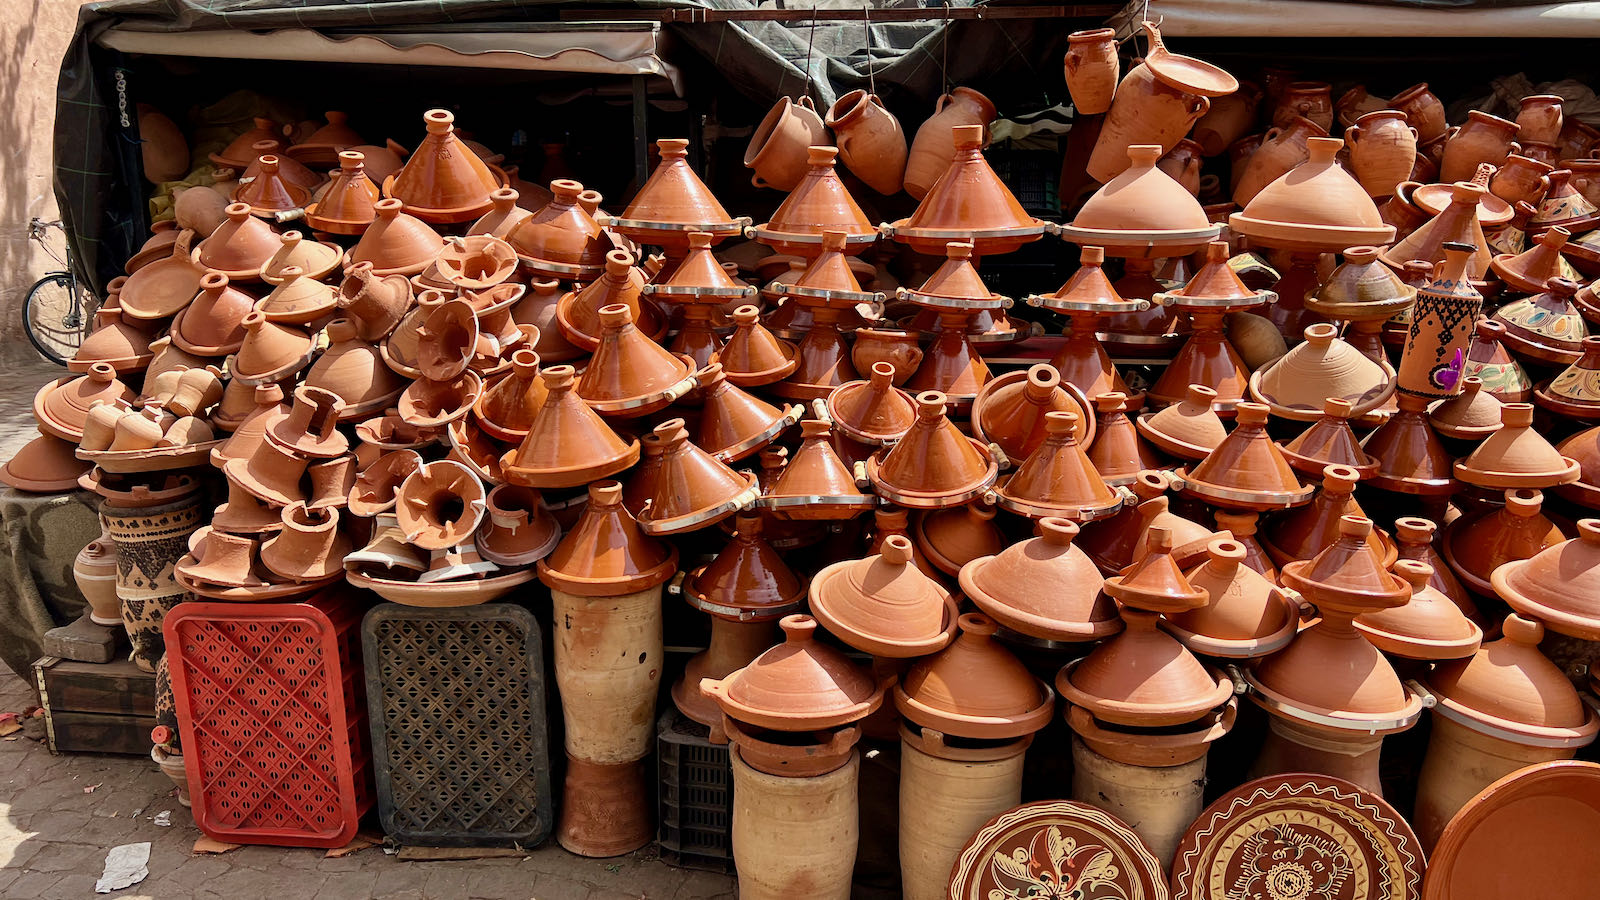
934 465
1247 471
568 443
970 198
748 581
1190 428
1301 381
1089 289
1512 688
816 484
1058 479
883 604
1043 587
1516 456
1529 270
396 243
975 688
820 202
1215 286
1143 207
1317 205
1245 614
674 195
239 245
735 424
347 206
605 554
1154 581
1347 576
693 488
873 411
955 284
1329 441
1559 585
443 181
753 356
800 685
1428 626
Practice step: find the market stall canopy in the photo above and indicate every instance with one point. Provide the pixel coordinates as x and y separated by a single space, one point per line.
1373 18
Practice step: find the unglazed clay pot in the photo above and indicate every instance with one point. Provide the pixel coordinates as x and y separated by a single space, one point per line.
777 150
1383 150
1092 67
95 571
946 794
934 146
1520 180
1481 139
1229 118
1311 99
1281 150
794 836
1539 118
870 141
1423 110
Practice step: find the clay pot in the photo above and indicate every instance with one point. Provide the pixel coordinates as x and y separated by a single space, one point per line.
883 605
578 312
934 145
94 570
1441 329
1539 118
1428 627
934 465
1092 67
568 444
1247 470
1520 180
200 210
395 243
694 489
1516 456
562 240
1058 479
1010 411
1383 149
1316 207
794 831
897 348
1481 139
238 246
1282 149
1329 441
1423 110
373 303
1229 118
1044 587
444 181
870 141
61 408
1355 103
1298 385
310 547
777 149
1190 428
946 794
629 374
1478 543
1155 103
1312 100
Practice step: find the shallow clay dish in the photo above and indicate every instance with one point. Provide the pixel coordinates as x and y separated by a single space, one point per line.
1530 834
1056 848
465 592
155 459
1302 836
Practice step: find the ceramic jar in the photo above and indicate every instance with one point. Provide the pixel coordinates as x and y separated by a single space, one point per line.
778 149
1146 110
1312 99
1383 149
1423 110
1481 139
1182 162
1442 327
947 794
1585 178
795 837
934 145
1161 800
1539 119
149 541
897 348
870 141
1227 121
1281 150
1520 180
1092 67
95 571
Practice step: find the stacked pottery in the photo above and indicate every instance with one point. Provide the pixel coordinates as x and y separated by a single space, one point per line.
1206 357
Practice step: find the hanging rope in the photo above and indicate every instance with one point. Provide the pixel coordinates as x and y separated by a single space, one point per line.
872 78
944 64
811 43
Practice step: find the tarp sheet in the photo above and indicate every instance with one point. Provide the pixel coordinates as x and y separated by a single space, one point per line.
1366 18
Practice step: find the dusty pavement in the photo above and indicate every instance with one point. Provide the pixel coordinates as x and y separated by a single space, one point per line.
59 815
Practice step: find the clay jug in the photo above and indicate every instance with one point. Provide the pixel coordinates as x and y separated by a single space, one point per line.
870 141
1481 139
1092 67
897 348
1423 110
1146 110
1311 99
1520 180
1383 148
1227 121
1539 119
1281 150
1183 164
778 149
934 145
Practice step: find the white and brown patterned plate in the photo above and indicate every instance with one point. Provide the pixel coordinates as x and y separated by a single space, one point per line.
1298 837
1056 850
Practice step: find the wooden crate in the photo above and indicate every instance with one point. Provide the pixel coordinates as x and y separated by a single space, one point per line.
96 707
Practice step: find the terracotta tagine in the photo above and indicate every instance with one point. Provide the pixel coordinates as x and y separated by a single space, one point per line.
1119 452
1246 471
799 685
237 154
630 375
873 411
1245 615
752 355
1141 212
1564 205
1043 588
347 205
238 246
1010 411
561 240
1457 223
883 605
1057 478
934 465
1316 206
673 203
568 444
578 311
1516 455
934 145
396 243
950 538
1188 429
816 484
1241 526
1305 532
443 181
1471 415
819 203
1573 393
733 423
1298 385
1478 543
212 324
970 202
62 407
693 488
1489 361
1428 627
1085 299
1329 441
1367 294
1546 327
1207 357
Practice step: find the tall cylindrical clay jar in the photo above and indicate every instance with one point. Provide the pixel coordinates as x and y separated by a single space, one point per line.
1158 802
1291 747
795 837
1460 763
149 541
946 795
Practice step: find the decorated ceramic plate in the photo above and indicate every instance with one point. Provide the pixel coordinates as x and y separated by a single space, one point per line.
1056 849
1533 833
1298 837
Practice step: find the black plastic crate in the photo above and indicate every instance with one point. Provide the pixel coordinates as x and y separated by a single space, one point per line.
694 795
459 733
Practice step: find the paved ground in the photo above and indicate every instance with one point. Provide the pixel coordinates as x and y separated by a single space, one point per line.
59 815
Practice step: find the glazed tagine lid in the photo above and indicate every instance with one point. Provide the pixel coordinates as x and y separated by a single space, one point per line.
1347 575
1509 690
1058 479
1056 847
561 240
674 200
1576 391
1119 451
735 424
753 356
955 284
1527 272
1043 587
1585 448
816 484
1559 585
346 206
1142 212
605 554
748 581
1516 456
1316 206
568 444
1428 626
801 684
1246 470
1564 205
1188 429
1546 326
1010 411
1089 290
578 311
1544 816
1362 288
1245 615
1215 287
1471 415
969 202
630 375
975 688
1330 442
820 202
1301 381
443 181
693 488
1298 835
884 605
934 465
699 277
873 411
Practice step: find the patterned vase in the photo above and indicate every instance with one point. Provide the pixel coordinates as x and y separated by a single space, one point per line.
149 540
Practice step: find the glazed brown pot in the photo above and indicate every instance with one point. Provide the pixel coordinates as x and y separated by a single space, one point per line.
1383 150
897 348
1091 67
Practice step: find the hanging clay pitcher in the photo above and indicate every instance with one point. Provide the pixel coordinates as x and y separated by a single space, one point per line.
1092 67
934 145
870 141
778 149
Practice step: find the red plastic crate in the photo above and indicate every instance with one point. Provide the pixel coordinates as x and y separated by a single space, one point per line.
272 717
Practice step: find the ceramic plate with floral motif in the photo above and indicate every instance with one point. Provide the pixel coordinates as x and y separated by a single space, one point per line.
1298 837
1056 850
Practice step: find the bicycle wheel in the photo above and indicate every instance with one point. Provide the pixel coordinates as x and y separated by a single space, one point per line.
57 315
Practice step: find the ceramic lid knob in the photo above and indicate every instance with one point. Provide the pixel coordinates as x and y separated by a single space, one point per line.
930 405
1057 531
352 162
1040 388
1321 334
524 362
1323 149
815 429
1250 413
1354 528
1338 408
1562 287
896 550
1199 395
1144 156
821 155
882 376
504 199
746 316
1225 553
1524 502
798 629
102 373
1110 402
1339 479
1414 530
1415 573
614 316
558 379
1362 255
967 137
1092 256
1150 484
958 250
673 147
439 121
387 208
699 240
1060 421
238 212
